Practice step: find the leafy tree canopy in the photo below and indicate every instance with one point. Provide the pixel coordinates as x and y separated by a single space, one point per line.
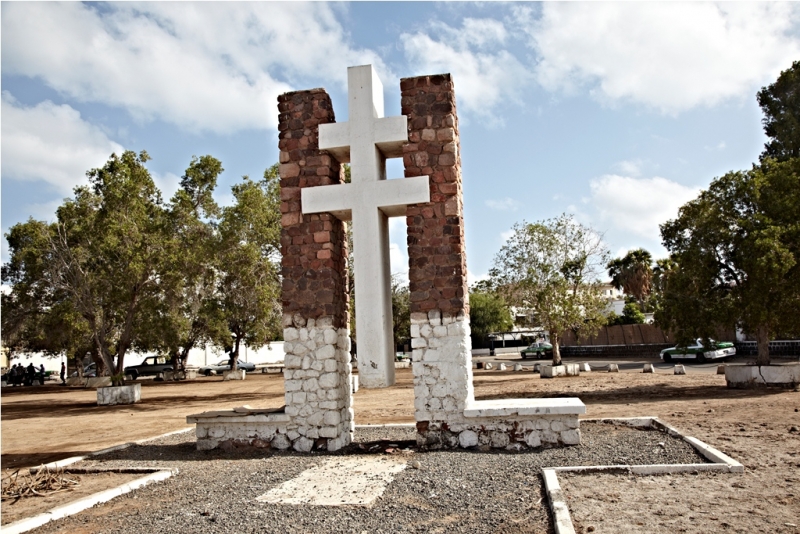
553 269
488 312
780 103
736 252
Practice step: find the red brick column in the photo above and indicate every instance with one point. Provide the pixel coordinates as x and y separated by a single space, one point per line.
436 249
314 247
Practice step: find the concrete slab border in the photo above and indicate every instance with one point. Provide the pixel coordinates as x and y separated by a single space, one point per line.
558 504
154 474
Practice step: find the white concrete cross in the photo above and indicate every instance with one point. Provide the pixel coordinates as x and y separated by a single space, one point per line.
365 141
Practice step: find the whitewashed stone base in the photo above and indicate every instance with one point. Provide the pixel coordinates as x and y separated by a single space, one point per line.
129 394
648 368
750 376
567 369
228 429
318 393
447 414
238 374
98 382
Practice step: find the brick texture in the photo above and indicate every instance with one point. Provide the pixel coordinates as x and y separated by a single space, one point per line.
314 246
436 248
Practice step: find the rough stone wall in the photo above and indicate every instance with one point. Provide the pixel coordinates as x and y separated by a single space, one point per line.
314 246
436 257
315 286
438 264
512 433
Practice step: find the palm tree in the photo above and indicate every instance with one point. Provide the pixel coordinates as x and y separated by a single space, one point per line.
633 274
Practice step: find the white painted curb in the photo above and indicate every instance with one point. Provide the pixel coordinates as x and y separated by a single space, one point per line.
558 506
24 525
157 474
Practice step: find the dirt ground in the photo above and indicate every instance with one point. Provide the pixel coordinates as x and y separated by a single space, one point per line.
759 428
89 484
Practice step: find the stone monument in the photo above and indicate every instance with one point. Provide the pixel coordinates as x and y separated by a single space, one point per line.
315 202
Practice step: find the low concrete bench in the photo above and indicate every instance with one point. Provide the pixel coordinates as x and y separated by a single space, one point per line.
263 428
520 423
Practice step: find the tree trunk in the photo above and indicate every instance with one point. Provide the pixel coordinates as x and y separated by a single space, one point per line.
556 350
762 338
235 355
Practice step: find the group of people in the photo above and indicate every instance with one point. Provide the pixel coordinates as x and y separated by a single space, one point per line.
19 375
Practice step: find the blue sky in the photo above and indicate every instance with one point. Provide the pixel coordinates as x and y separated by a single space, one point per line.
615 112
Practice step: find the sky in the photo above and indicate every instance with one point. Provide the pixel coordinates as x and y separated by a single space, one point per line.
616 113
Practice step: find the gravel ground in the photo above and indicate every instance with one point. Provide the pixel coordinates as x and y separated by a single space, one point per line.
451 491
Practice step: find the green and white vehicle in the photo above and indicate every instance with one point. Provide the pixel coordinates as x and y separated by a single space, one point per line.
700 353
537 350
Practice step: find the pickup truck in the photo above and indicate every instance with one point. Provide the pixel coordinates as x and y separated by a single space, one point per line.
152 365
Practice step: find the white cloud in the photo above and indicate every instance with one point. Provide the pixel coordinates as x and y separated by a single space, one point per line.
638 205
485 74
51 143
473 278
629 167
670 56
718 147
505 204
204 66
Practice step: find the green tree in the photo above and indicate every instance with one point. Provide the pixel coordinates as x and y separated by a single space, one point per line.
553 269
488 312
100 261
633 274
401 312
780 103
35 318
736 250
631 314
189 315
249 285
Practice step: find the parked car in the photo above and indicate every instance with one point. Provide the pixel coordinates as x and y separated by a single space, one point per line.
151 366
225 365
700 353
538 350
89 371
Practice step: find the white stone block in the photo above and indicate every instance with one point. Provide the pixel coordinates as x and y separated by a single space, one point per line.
572 369
328 432
290 334
329 337
518 367
325 352
552 371
315 419
310 384
501 367
557 426
648 368
721 369
468 438
332 418
440 331
680 370
585 368
435 317
299 397
303 444
415 330
571 437
128 394
533 440
418 343
292 362
329 380
488 366
280 442
613 368
354 383
499 440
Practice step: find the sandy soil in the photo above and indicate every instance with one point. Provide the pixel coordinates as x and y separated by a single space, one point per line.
758 428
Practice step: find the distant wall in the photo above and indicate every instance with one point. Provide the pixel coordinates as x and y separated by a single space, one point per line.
633 334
